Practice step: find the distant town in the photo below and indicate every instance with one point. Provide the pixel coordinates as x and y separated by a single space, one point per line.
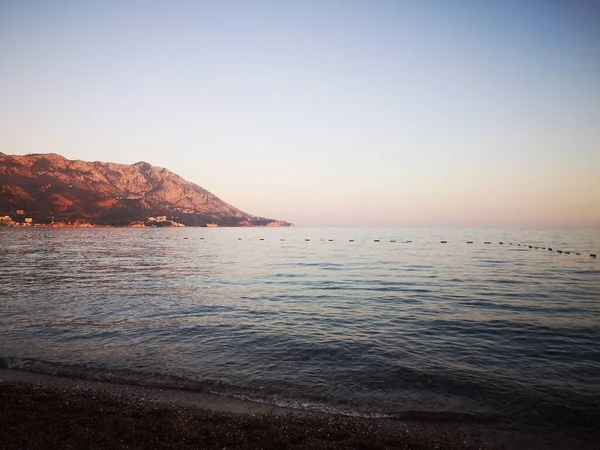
20 219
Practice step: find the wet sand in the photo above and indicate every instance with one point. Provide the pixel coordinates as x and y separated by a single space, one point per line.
39 411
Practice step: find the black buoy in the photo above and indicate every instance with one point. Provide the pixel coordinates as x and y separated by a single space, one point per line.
351 240
376 240
549 249
307 240
408 242
578 253
559 251
444 242
262 239
282 239
501 243
489 242
392 240
567 253
469 242
592 255
529 246
330 240
239 239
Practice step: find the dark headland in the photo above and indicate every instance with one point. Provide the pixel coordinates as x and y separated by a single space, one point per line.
50 190
43 412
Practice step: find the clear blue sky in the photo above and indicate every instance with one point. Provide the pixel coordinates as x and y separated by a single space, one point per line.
322 112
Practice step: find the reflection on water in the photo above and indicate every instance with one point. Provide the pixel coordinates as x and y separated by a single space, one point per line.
376 325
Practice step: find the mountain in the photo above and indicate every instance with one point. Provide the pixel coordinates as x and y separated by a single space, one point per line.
50 188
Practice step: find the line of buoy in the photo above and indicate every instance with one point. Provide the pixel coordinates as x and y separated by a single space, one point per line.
564 252
550 249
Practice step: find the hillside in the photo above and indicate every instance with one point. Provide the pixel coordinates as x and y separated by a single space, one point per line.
50 188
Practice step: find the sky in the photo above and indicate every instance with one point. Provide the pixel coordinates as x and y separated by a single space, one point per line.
323 113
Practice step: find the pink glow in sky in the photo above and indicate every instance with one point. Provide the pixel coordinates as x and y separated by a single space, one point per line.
323 112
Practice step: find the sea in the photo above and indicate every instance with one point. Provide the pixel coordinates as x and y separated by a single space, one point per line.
500 324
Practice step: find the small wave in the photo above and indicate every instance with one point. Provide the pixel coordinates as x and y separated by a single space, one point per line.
214 387
90 373
155 380
306 406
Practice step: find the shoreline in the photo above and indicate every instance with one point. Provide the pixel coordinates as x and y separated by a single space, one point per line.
44 411
91 225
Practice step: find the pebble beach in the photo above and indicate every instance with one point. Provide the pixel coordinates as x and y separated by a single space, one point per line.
45 412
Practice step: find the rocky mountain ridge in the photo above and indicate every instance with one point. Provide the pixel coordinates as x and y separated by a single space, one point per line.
50 188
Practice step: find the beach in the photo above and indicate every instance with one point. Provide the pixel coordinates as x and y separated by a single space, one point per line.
42 411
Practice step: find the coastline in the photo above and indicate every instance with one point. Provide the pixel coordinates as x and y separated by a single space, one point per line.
43 411
134 225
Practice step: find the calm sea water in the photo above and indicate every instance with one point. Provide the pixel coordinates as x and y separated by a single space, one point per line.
306 318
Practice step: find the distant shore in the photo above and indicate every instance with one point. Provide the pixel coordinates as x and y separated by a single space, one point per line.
134 225
39 411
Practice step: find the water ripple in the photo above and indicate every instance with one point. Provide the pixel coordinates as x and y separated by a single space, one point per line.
363 327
